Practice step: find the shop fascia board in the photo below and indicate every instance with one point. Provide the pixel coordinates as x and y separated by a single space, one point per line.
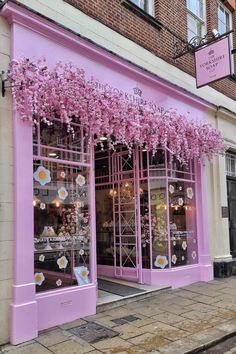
35 16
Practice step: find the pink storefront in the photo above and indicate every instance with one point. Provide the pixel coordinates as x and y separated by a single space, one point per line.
82 211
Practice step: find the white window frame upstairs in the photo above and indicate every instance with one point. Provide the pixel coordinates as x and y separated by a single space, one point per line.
148 5
199 19
228 12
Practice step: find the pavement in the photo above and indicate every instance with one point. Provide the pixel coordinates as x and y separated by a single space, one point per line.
185 320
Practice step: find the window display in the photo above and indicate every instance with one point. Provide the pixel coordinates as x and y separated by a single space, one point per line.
61 221
164 191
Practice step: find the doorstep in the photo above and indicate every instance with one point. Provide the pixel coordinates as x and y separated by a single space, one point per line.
107 300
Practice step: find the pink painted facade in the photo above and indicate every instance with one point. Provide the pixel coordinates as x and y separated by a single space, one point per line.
35 37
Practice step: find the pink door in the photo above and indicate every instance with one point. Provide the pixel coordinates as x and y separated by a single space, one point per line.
125 216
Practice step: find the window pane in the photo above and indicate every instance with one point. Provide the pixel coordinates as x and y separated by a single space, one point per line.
105 224
196 6
61 225
145 224
159 224
182 213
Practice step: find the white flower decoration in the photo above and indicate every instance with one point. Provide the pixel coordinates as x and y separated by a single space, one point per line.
182 258
39 278
173 259
62 193
82 274
174 243
63 174
58 282
62 262
161 262
184 245
42 175
180 201
80 180
41 258
171 189
42 206
190 192
194 254
79 204
81 252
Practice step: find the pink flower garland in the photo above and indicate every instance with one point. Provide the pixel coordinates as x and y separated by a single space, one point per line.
43 94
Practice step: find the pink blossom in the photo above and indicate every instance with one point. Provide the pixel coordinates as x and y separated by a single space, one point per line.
43 93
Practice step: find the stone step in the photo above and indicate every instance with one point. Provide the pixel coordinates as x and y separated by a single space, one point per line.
111 301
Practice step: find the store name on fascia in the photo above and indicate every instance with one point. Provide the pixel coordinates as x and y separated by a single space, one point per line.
133 97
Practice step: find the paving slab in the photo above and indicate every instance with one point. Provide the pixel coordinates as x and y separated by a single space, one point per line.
69 347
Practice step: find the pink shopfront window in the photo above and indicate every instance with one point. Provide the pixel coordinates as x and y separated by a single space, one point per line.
61 207
168 211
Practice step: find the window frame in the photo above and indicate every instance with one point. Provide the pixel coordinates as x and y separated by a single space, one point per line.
226 10
148 6
198 19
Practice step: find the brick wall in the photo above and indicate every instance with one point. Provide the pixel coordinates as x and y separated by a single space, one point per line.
158 41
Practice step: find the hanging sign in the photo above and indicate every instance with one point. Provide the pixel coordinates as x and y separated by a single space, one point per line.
212 62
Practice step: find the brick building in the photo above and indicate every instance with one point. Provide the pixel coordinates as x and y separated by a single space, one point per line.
133 47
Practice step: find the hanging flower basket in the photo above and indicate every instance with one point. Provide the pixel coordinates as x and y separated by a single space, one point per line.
42 94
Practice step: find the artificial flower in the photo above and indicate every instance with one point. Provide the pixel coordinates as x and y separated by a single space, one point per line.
161 262
58 282
62 193
184 245
82 274
42 175
63 174
39 278
42 206
81 252
174 259
190 192
171 189
41 258
62 262
80 180
180 201
194 254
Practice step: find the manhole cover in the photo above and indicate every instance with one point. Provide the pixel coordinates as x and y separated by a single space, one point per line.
123 320
93 332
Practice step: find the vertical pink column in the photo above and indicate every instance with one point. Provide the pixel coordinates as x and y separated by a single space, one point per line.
205 262
24 324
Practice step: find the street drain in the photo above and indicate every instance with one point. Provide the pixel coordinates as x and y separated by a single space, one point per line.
124 320
92 332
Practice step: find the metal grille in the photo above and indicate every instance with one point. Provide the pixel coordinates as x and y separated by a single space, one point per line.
231 165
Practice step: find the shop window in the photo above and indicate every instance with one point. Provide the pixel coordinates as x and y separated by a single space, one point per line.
195 18
145 5
182 223
61 208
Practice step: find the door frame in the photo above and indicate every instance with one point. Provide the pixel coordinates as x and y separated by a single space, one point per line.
230 178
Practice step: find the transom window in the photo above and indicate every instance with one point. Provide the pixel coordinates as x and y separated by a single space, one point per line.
231 165
195 18
146 5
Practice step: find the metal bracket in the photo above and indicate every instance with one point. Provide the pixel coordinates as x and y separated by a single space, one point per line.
182 47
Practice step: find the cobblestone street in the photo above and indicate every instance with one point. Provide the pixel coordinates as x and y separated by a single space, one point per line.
171 322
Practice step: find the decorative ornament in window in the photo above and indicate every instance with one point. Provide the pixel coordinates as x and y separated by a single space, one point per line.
39 278
80 180
42 175
62 193
62 262
161 262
